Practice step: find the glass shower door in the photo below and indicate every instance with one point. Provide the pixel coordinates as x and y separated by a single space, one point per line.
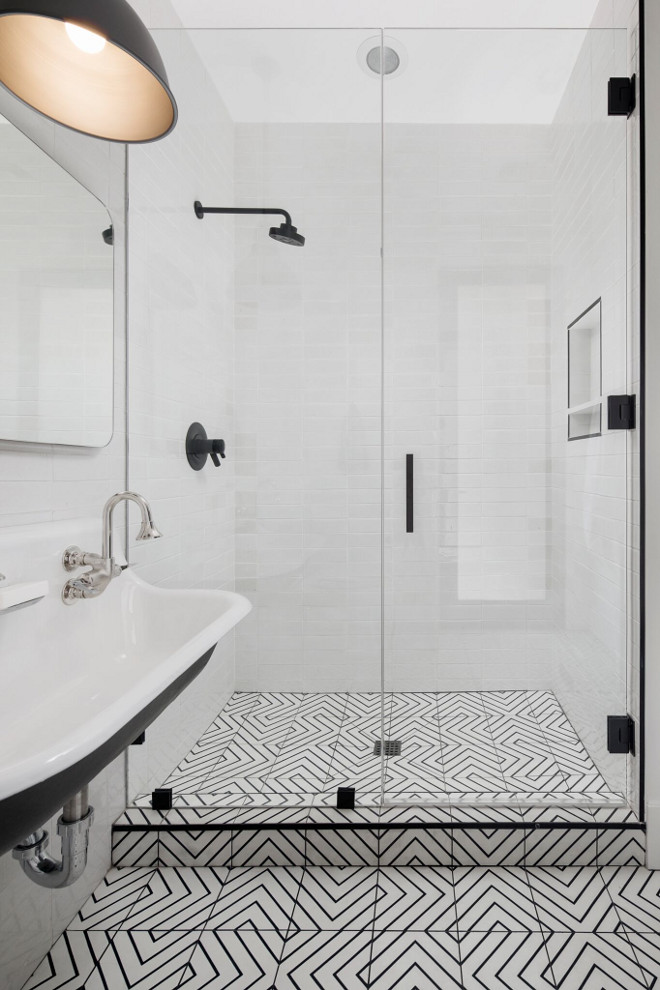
289 710
505 492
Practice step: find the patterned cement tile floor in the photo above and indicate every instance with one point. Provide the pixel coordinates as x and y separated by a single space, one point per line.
362 928
297 749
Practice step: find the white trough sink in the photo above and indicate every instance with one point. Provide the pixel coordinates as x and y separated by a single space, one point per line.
80 683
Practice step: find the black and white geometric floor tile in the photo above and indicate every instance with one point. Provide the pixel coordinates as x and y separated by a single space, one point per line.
71 961
414 899
415 961
494 900
415 847
334 898
573 899
635 893
561 847
112 901
646 947
506 961
266 847
599 961
176 898
256 899
194 848
135 849
342 847
150 960
363 929
488 847
336 960
620 847
240 960
286 748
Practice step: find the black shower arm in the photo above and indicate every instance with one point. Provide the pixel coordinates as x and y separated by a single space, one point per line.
201 210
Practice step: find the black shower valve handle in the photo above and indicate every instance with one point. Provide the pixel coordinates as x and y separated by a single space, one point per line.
217 447
199 446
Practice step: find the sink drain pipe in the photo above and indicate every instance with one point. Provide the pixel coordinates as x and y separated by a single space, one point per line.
73 828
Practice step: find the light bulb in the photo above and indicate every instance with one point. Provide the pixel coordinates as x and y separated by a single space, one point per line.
86 41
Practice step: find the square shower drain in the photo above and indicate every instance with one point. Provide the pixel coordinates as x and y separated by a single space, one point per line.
392 747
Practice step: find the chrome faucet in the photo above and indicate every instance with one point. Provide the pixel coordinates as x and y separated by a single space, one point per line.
102 566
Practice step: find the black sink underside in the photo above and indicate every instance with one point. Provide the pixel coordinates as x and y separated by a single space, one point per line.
28 810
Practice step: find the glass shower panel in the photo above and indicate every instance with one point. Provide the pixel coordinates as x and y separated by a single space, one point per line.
505 542
303 121
308 345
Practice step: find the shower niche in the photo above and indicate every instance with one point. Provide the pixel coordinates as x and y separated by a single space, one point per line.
585 400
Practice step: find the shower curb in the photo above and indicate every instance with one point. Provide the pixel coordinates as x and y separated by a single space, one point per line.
200 837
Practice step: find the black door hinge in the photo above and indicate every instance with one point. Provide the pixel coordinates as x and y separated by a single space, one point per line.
620 734
346 797
621 412
620 96
161 799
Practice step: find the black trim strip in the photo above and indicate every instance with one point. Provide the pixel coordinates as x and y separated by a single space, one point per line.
390 827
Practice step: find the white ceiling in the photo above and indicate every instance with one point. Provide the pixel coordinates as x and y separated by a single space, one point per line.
452 76
362 13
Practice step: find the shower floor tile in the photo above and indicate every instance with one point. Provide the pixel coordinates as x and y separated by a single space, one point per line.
274 749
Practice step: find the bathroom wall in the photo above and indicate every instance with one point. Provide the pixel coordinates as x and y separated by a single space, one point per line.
467 243
592 479
181 365
40 483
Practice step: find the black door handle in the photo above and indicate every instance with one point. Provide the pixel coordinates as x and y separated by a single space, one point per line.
410 493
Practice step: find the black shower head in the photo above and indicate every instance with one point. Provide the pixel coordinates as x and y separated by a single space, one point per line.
286 233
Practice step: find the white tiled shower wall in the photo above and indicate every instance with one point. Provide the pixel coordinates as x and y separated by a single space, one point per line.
39 483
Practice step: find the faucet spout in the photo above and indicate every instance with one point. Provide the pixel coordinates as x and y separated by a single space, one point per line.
148 531
102 567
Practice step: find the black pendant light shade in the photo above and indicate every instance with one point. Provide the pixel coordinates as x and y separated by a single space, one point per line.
88 64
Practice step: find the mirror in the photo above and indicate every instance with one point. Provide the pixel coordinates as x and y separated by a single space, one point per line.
56 301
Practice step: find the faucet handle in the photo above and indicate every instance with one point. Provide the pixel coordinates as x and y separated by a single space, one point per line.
2 577
72 558
217 447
